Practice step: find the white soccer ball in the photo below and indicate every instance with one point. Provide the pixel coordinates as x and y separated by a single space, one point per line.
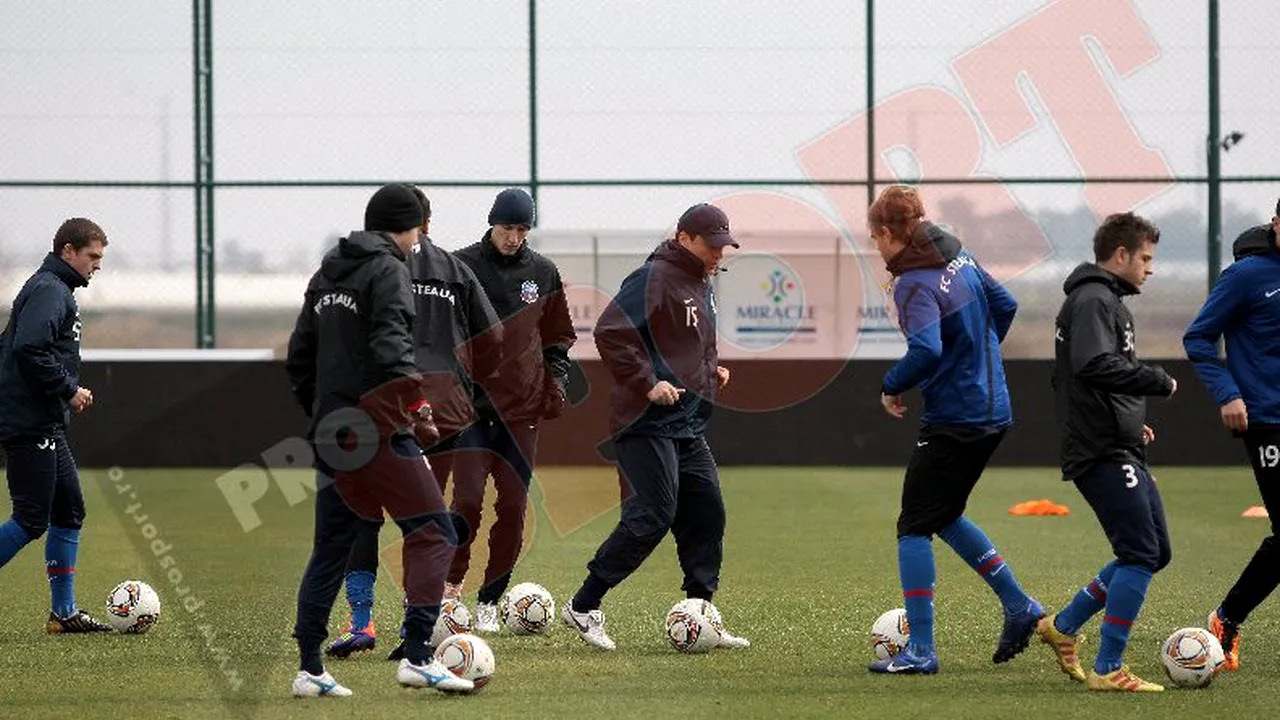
132 607
890 633
527 609
1191 657
468 657
454 618
693 626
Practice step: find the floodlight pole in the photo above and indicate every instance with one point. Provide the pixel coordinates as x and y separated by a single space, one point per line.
533 105
202 116
1213 148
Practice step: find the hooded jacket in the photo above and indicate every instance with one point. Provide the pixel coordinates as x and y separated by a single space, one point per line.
537 332
1100 388
352 345
1244 305
40 353
661 326
954 316
456 333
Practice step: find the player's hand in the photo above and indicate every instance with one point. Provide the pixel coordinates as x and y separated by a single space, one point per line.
664 393
81 400
893 405
722 373
1148 434
1235 416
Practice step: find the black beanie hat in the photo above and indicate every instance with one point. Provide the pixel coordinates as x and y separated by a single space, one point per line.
513 206
394 208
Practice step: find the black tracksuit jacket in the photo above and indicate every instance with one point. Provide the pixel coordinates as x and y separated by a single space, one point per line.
1100 388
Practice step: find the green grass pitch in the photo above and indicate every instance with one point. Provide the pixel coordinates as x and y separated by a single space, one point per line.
810 562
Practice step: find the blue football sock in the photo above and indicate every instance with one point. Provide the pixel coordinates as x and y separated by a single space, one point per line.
973 546
60 548
1124 600
360 597
12 539
1086 603
915 567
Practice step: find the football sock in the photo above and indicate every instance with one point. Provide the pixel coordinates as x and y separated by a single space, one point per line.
360 598
12 539
1086 603
1124 600
1256 582
310 660
915 567
419 620
490 594
60 548
590 594
973 546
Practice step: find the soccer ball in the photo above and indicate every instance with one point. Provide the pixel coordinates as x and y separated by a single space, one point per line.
468 657
527 609
890 633
693 626
454 619
132 607
1191 657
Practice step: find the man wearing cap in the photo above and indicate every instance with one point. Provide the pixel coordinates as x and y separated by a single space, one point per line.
658 339
527 388
351 367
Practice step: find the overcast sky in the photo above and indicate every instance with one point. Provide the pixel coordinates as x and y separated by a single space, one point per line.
437 91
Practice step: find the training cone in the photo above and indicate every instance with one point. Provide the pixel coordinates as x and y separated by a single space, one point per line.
1039 507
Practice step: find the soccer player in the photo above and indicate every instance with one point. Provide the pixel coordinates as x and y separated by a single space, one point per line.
456 336
39 391
351 367
954 316
1245 306
658 339
1100 392
527 388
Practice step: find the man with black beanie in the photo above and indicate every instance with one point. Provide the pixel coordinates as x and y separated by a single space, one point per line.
351 367
456 337
527 387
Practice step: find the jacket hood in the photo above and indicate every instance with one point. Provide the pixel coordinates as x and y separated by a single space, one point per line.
930 247
673 252
356 250
1256 240
64 272
1088 272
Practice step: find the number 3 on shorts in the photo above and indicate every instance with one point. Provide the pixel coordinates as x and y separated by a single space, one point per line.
1132 473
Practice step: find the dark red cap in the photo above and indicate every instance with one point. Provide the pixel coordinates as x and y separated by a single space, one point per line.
708 221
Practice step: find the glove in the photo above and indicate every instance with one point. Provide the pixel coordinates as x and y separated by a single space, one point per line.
424 425
553 398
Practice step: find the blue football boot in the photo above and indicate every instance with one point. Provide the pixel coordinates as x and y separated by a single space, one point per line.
907 663
1018 629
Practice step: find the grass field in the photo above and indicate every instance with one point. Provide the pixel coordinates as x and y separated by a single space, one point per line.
809 564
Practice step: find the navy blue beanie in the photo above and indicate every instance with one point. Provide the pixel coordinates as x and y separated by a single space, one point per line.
513 206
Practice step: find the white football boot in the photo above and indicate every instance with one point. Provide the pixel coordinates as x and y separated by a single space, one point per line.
487 618
306 685
590 626
727 639
731 641
431 675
